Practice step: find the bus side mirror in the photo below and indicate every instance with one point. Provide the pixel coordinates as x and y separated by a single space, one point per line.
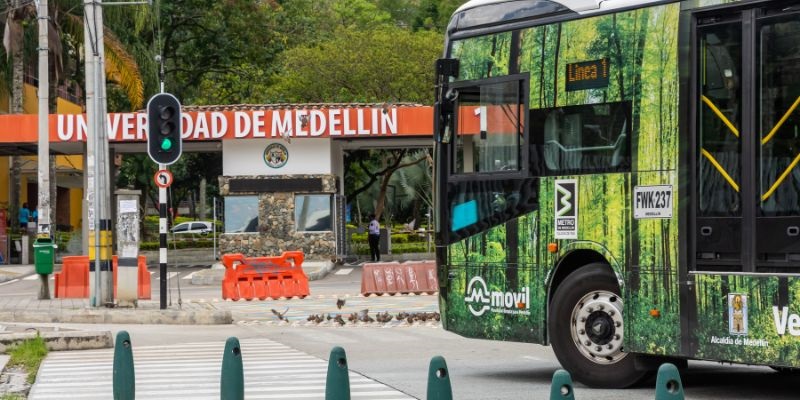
446 68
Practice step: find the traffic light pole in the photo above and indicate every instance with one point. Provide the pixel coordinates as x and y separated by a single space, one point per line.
164 146
162 241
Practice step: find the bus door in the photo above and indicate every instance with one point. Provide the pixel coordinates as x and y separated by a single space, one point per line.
746 203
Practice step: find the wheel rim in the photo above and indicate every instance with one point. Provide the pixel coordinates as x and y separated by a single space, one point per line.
597 328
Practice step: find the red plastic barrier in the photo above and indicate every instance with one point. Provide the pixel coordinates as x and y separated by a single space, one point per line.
276 277
392 278
73 280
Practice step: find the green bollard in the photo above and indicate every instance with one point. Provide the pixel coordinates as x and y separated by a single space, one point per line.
561 388
439 380
231 386
668 383
124 379
337 384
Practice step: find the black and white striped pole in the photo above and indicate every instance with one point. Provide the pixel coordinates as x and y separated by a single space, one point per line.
163 179
164 145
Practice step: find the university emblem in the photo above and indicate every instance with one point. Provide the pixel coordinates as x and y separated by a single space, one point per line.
276 155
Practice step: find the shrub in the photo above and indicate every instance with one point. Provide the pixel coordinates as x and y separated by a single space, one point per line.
403 248
179 244
399 238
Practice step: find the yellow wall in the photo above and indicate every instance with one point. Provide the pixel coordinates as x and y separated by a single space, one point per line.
75 207
75 161
67 107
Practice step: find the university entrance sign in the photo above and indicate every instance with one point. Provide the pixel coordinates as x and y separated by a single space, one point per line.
211 124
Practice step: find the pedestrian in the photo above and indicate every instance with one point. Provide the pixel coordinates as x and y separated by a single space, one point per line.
24 216
374 238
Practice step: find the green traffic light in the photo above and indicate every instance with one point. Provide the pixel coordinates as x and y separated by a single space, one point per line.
166 144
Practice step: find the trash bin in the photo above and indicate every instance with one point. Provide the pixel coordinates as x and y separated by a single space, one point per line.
44 255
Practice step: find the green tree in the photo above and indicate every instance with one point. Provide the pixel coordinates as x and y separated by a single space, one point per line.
416 185
370 167
435 14
387 64
211 40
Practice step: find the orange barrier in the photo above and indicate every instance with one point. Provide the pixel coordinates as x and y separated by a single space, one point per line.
73 280
392 278
264 277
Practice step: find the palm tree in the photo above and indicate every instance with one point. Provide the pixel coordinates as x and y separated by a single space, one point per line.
65 26
18 11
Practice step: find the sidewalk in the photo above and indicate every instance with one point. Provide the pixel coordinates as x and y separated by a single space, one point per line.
79 311
16 309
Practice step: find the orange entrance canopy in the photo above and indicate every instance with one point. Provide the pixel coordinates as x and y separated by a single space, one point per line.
240 122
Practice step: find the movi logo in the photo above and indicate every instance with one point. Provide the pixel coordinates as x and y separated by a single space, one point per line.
480 299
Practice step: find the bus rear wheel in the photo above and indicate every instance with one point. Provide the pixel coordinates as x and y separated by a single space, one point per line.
586 329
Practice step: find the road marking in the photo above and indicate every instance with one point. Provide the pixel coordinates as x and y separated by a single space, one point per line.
9 282
190 275
31 277
532 358
344 271
191 371
172 275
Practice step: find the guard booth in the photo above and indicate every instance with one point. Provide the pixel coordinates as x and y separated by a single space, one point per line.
283 184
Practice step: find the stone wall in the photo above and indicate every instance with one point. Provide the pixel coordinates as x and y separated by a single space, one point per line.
276 225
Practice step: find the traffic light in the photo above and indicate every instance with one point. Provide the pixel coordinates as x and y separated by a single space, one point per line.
164 143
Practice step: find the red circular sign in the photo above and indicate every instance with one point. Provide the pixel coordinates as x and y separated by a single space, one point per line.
163 178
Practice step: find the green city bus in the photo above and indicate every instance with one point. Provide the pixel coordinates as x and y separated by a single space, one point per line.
619 179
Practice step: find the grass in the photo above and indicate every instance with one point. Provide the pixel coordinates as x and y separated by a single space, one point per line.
11 397
28 354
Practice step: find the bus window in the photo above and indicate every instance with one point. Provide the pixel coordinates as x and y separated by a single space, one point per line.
490 128
779 125
584 139
720 120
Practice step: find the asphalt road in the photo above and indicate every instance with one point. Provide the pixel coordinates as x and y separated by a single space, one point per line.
398 355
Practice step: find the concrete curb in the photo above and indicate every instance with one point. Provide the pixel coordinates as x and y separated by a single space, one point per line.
117 316
319 273
62 341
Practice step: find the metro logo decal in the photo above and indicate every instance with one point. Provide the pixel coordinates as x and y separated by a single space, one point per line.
566 209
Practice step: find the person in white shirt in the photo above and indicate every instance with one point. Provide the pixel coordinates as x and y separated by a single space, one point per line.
374 237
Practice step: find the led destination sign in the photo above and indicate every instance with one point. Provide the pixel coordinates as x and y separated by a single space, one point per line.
587 75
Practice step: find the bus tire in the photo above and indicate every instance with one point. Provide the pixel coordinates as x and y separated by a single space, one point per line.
586 327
